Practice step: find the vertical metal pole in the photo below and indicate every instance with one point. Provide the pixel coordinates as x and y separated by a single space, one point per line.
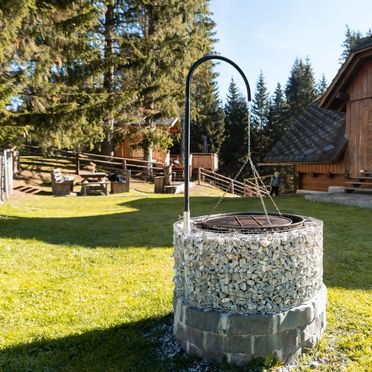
186 129
186 176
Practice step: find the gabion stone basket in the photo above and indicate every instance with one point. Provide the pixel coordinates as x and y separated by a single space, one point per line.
247 285
243 296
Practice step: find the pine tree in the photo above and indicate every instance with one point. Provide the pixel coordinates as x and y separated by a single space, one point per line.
308 83
163 45
260 120
207 120
207 123
300 89
260 110
352 38
12 15
322 85
234 149
54 42
84 68
279 117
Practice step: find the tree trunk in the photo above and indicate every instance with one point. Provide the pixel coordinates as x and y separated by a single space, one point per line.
148 157
108 78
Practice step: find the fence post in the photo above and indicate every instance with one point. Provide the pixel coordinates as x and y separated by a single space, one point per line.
124 165
232 187
9 172
199 176
77 164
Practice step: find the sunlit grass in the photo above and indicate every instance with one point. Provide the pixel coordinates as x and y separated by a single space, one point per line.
83 278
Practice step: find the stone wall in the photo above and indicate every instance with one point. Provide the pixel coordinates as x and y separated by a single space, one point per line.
240 338
253 273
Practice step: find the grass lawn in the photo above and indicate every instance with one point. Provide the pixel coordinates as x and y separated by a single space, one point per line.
84 281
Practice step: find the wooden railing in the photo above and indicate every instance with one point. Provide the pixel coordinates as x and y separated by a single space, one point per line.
116 163
266 180
107 163
248 188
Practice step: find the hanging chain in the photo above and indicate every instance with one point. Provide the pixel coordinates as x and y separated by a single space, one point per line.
257 179
228 189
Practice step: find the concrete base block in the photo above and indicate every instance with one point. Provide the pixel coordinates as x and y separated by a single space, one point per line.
241 338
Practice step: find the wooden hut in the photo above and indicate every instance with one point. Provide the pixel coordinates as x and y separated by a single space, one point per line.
128 148
331 143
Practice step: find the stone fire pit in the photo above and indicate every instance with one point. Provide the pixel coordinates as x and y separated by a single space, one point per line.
249 293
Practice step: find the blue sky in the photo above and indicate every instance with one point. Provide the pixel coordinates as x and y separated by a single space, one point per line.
268 35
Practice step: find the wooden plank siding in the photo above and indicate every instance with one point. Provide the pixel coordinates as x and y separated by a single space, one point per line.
369 142
125 150
319 176
207 161
321 182
324 168
359 121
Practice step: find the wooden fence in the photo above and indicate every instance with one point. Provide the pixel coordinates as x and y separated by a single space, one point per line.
6 174
107 163
246 188
115 163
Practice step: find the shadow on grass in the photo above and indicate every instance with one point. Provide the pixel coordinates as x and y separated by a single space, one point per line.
347 231
121 348
150 225
143 346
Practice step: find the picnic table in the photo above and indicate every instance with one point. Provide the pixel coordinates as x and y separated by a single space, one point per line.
93 181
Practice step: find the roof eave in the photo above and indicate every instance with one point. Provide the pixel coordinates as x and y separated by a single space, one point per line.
334 98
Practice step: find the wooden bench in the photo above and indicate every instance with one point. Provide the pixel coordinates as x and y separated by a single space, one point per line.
61 185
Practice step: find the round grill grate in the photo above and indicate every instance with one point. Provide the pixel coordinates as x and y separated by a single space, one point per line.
250 222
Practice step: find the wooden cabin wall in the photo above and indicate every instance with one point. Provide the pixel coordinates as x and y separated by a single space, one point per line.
325 168
125 150
319 176
207 161
321 182
359 121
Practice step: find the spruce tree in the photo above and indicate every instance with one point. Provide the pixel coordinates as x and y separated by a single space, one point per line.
279 117
234 148
260 119
307 91
260 109
300 89
207 119
55 43
207 122
85 68
352 38
168 37
322 85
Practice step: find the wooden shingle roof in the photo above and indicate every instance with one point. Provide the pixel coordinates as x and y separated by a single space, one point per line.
318 135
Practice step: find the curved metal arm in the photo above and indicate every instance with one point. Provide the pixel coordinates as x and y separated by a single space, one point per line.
186 213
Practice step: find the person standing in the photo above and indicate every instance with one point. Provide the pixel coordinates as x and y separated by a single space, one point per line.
275 184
